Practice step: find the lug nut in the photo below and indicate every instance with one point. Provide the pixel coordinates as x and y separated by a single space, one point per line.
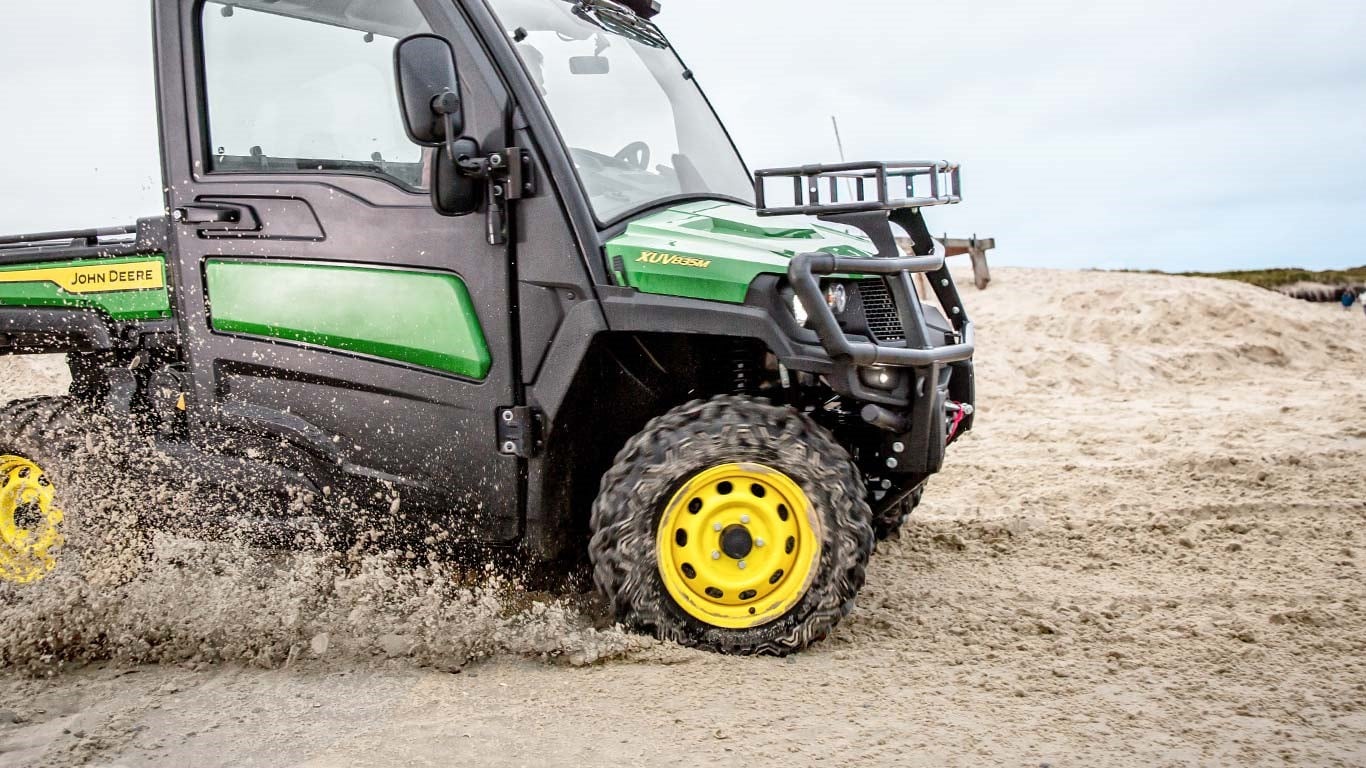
899 446
716 527
741 564
715 555
758 542
891 462
744 519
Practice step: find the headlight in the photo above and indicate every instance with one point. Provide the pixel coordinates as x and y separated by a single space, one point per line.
880 377
836 297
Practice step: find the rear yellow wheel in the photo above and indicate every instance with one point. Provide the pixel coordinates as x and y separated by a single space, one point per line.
738 545
29 521
47 440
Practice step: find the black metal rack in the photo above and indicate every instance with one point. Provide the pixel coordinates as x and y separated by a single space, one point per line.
816 188
147 236
69 237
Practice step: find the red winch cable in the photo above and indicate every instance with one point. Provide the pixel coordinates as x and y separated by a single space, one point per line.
958 417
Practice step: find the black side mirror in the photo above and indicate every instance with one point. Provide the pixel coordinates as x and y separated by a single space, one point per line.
455 193
429 90
434 116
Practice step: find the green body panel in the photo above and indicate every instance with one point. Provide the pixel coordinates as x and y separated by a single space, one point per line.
145 304
408 316
714 250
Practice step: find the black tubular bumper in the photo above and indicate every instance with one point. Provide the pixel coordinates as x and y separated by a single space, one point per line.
933 397
803 273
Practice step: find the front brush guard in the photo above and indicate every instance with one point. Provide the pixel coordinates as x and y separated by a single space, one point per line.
875 216
922 423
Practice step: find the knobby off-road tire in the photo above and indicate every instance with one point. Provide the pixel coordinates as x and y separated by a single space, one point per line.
888 523
686 443
76 446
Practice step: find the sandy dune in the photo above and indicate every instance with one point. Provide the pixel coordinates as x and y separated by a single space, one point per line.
1150 553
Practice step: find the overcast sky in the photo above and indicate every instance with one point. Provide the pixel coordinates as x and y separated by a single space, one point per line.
1163 134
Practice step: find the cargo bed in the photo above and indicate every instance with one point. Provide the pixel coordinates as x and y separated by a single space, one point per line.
84 290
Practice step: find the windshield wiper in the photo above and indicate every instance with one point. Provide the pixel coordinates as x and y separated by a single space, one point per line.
620 20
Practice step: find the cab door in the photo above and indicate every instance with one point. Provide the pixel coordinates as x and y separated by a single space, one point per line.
323 302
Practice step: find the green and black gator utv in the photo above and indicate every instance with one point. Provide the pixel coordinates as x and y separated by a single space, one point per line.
500 259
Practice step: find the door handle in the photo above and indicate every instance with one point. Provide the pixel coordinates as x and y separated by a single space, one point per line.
207 214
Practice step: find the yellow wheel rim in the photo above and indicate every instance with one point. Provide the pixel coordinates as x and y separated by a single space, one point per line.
28 521
738 545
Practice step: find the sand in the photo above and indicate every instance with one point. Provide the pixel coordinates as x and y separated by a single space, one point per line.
1147 554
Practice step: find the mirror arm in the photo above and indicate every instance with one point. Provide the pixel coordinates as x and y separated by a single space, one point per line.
447 105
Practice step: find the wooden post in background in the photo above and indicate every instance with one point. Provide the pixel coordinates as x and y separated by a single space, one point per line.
973 247
977 250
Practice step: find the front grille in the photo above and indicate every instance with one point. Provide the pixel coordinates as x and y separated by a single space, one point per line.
884 322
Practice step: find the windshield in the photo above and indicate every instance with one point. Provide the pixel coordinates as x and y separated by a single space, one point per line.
637 127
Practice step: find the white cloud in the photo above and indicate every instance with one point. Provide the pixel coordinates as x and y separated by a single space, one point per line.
1144 134
1156 134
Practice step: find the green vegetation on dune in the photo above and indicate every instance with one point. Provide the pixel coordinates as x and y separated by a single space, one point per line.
1275 278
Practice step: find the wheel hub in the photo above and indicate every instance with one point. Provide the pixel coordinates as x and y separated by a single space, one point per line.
29 521
738 545
736 542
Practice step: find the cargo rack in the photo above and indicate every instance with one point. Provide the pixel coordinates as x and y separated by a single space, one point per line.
146 236
813 184
69 237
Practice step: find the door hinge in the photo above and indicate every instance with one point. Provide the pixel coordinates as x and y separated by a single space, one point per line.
519 431
510 169
509 176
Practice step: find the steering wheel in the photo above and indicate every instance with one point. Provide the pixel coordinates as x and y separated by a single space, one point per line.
635 154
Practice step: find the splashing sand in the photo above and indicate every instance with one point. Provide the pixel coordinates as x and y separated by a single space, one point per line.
1148 553
201 603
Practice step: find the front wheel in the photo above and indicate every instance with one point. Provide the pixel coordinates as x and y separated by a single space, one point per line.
734 525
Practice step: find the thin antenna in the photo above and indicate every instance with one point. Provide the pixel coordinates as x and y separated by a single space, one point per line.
840 143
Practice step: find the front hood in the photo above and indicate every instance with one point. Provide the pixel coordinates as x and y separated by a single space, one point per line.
714 250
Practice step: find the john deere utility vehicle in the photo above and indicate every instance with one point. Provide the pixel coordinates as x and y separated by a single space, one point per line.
498 264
